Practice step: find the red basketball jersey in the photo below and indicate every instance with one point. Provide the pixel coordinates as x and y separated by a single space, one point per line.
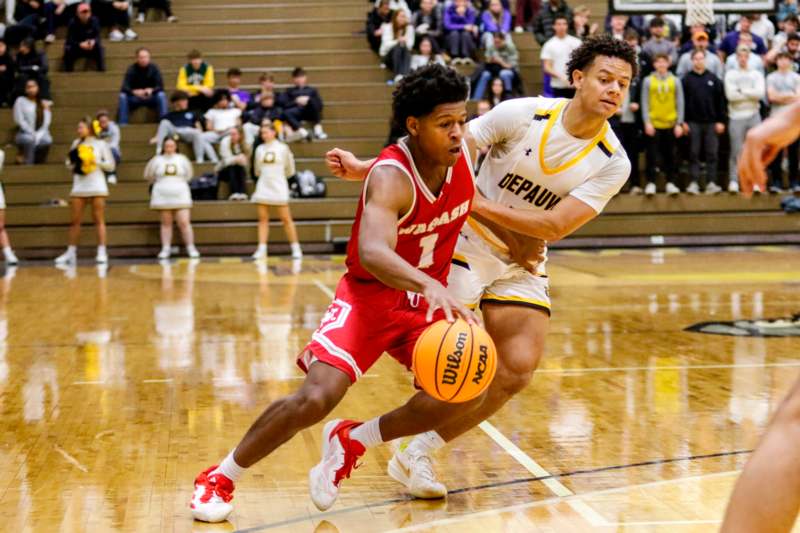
427 234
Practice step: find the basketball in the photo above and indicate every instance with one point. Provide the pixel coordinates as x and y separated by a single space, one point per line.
454 362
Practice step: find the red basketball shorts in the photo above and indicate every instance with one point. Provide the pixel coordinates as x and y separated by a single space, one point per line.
366 319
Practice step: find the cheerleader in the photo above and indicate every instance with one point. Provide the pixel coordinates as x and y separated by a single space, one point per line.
8 253
170 173
89 159
273 163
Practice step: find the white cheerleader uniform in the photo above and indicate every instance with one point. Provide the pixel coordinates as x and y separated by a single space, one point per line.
94 183
171 175
274 163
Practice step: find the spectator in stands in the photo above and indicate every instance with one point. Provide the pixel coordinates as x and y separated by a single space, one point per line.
163 5
142 86
186 126
59 13
498 93
618 25
7 75
525 14
33 119
543 28
107 130
428 53
232 168
712 62
29 16
273 164
428 22
239 97
754 61
196 78
221 118
658 44
555 55
8 253
783 88
705 120
169 173
495 19
461 31
380 15
628 124
760 26
397 42
266 85
662 113
303 103
786 8
397 5
88 158
115 14
688 39
290 129
790 26
744 89
581 26
83 39
32 65
730 42
501 60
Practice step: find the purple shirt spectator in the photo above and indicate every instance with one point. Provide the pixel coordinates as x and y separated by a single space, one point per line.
489 23
731 41
454 21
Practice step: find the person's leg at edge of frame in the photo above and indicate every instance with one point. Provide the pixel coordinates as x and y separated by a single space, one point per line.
99 218
291 231
166 234
263 231
183 218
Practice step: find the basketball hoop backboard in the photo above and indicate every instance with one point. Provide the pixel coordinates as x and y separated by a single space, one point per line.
648 7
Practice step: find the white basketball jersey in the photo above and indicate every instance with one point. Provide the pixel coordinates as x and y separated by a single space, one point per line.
534 163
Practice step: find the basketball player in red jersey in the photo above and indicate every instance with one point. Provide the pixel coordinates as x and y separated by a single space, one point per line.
415 200
767 496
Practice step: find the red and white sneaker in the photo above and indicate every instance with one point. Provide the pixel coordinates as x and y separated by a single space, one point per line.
212 496
340 454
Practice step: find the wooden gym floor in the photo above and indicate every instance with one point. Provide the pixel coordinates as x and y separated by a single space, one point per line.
119 387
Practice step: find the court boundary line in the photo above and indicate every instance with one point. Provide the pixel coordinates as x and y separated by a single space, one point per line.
586 370
324 288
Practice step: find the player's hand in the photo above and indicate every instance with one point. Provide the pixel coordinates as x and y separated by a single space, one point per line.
719 127
527 252
478 201
756 154
678 131
438 297
345 165
649 130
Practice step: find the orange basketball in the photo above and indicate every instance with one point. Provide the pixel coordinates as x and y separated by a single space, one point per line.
454 362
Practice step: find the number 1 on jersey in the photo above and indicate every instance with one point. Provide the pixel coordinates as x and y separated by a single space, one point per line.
428 245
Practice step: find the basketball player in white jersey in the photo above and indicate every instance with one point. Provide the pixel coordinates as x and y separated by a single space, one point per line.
552 166
767 496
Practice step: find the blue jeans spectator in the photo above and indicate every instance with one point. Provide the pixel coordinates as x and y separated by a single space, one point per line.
129 102
480 88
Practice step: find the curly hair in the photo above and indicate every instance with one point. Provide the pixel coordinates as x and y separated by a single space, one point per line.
427 87
601 45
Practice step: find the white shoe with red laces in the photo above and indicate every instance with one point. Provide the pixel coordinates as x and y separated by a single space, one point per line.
212 496
340 454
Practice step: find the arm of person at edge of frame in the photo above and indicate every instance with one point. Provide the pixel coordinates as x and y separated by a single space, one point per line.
389 195
763 143
526 252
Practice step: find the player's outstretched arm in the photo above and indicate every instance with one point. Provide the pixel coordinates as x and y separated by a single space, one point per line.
569 215
762 145
389 195
345 165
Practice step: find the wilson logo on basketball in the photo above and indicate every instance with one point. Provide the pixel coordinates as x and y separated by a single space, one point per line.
454 362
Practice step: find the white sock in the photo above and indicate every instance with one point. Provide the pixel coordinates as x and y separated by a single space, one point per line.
101 250
295 246
72 250
7 251
229 468
425 443
368 433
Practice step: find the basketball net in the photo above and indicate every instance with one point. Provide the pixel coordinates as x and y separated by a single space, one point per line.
699 12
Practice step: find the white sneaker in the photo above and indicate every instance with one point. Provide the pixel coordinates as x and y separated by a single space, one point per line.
297 252
212 496
519 29
101 257
172 18
319 133
11 258
165 252
50 38
635 191
116 36
131 35
693 188
192 252
417 475
757 189
112 179
733 187
672 190
260 253
140 18
650 189
300 134
713 188
339 456
67 258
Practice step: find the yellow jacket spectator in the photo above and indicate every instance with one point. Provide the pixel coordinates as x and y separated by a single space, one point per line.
196 78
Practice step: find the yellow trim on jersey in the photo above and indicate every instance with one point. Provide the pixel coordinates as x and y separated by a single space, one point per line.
457 257
575 160
485 235
490 296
